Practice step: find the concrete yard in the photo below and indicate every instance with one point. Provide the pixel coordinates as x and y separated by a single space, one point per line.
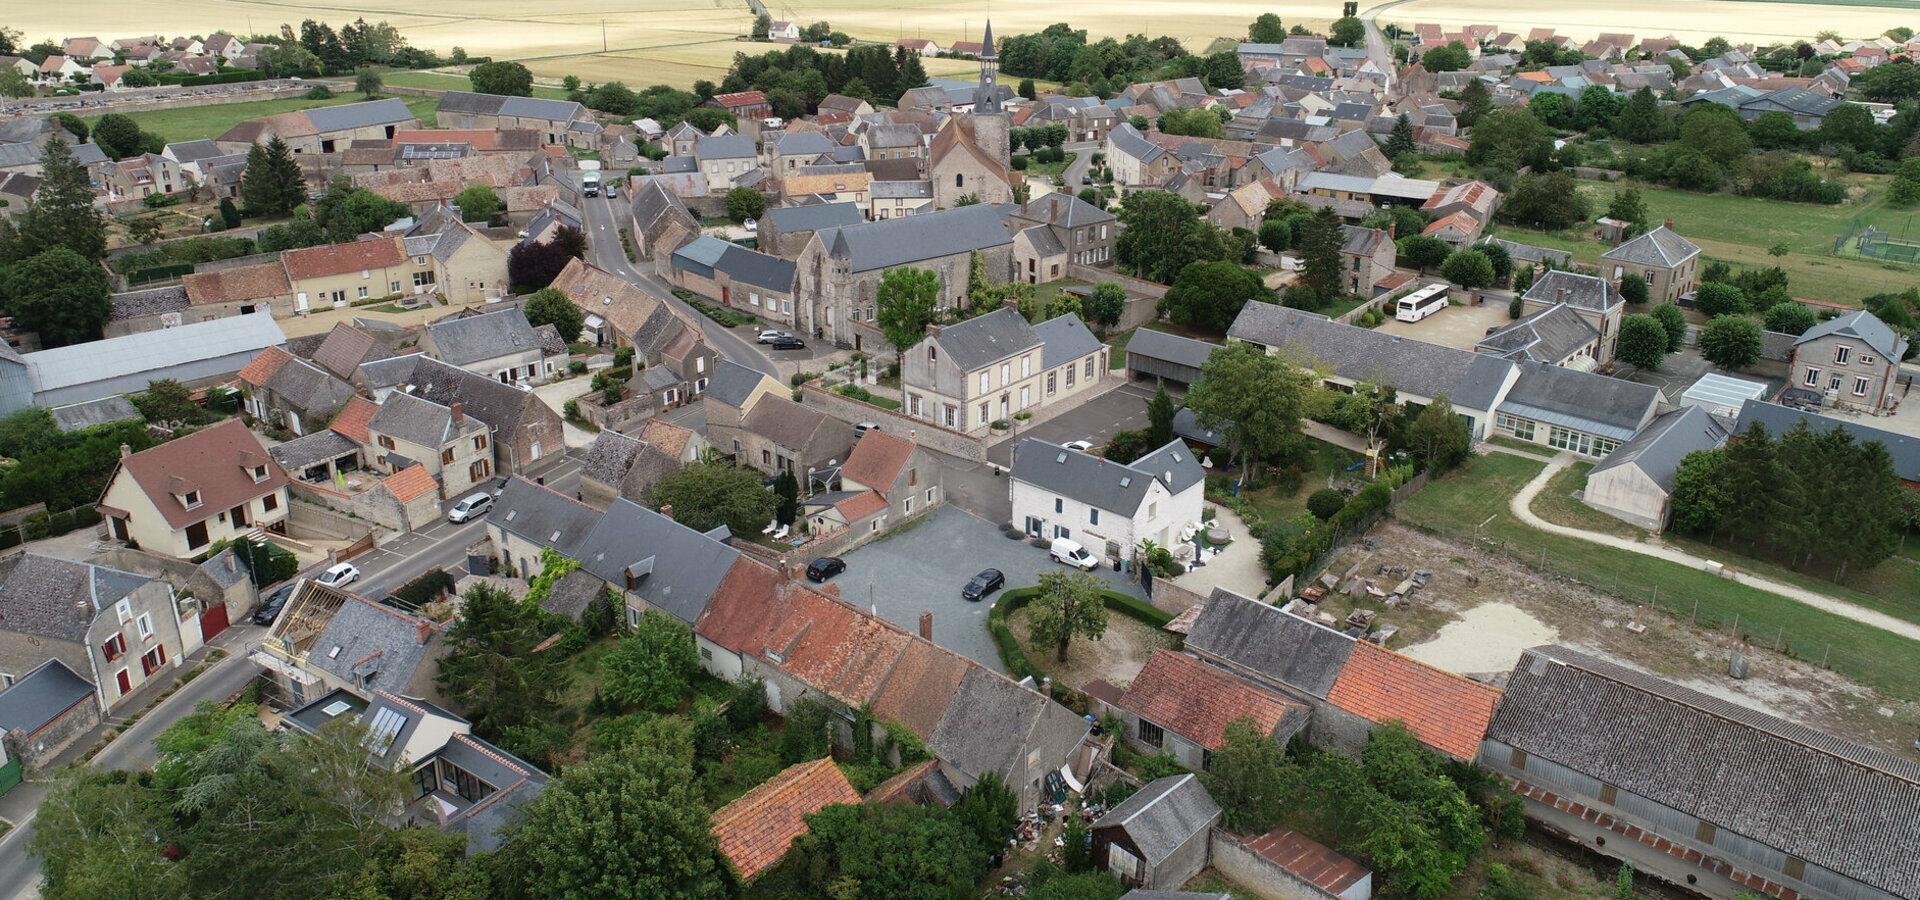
1455 326
1123 408
925 566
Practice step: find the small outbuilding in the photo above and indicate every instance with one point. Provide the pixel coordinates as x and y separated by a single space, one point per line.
1635 483
1157 838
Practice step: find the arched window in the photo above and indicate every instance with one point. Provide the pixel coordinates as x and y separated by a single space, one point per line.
959 180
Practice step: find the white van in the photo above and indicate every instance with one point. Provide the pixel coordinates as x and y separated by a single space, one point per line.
1072 554
472 507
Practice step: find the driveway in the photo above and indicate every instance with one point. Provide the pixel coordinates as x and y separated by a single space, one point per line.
1122 409
923 568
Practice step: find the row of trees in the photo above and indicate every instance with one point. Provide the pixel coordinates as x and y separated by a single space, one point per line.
796 79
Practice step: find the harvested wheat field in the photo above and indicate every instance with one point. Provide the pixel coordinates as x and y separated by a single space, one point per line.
1691 21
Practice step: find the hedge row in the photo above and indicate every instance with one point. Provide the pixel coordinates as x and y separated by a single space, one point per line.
1014 656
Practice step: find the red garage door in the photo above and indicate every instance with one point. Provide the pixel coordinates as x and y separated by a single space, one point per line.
213 620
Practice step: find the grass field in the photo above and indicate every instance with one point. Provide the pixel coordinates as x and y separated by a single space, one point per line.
1741 230
189 123
1457 504
451 81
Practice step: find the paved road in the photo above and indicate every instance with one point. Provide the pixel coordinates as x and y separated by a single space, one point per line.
1379 49
1077 168
442 544
604 217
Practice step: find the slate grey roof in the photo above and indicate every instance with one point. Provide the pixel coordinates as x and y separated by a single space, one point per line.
609 456
572 594
725 146
896 242
901 190
1657 450
380 646
1062 208
359 115
658 378
785 423
1580 291
225 569
1173 348
1836 804
652 201
1127 139
1547 336
312 449
985 340
1905 450
150 302
1116 487
1659 247
732 383
1359 241
414 420
1064 339
803 143
1862 325
712 255
551 343
1164 815
1044 242
991 724
1528 253
1268 644
473 339
76 416
40 696
517 782
1187 425
672 567
1797 100
58 598
540 515
499 405
305 388
793 219
1470 380
1609 407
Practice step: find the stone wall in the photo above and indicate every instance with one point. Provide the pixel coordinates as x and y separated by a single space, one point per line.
38 749
173 97
898 424
1143 297
619 416
1259 875
313 515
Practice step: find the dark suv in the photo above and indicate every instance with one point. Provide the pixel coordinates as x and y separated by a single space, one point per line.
269 608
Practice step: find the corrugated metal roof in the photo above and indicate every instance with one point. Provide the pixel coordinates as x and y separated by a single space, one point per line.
152 350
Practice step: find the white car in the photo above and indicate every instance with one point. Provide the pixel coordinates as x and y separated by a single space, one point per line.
770 335
339 575
1072 554
1082 446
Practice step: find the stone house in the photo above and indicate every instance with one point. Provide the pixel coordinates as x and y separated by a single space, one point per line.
553 119
289 392
1136 161
839 184
966 376
1084 233
241 291
325 129
1668 262
212 485
725 159
963 161
521 428
465 266
1366 256
888 477
337 274
499 345
43 712
1852 360
655 563
735 276
893 199
327 639
793 149
1110 508
454 448
780 435
116 630
1597 301
1181 706
620 314
731 395
661 222
840 268
1156 839
529 517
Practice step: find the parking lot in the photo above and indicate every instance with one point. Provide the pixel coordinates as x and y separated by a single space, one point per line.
924 567
1122 409
1460 327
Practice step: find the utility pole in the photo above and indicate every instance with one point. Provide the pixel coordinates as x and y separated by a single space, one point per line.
603 35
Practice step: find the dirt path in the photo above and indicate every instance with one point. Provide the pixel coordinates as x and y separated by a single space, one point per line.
1522 508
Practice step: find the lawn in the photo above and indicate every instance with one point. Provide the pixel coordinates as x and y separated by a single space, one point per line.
1556 503
451 81
1277 503
1478 492
1741 230
1117 358
187 123
1527 447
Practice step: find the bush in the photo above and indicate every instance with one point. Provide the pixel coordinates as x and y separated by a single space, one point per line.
157 201
1326 503
577 367
623 356
320 92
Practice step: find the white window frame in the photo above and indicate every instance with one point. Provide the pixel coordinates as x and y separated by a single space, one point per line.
1812 378
123 610
1860 385
1842 353
144 622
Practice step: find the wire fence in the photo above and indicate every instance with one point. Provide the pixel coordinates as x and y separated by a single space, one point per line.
37 524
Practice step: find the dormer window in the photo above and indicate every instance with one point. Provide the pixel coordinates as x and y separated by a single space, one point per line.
259 473
190 499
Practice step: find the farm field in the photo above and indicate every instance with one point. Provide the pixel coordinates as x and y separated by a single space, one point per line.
1691 21
188 123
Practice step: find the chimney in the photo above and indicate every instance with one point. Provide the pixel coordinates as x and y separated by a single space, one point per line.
1669 224
459 414
125 451
926 624
933 330
360 387
422 631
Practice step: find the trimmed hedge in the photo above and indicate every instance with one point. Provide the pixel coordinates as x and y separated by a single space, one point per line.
1014 657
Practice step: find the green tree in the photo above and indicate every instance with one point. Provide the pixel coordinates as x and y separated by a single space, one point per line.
62 214
229 214
58 293
491 669
1210 294
273 184
1846 125
509 79
707 495
118 135
1550 201
478 203
1701 493
1027 89
1070 605
1160 413
1597 108
641 806
1633 290
1627 206
1200 123
1266 29
550 306
1715 298
981 295
654 665
1731 342
1509 139
1106 303
369 84
1674 321
1401 140
1347 31
1642 341
989 809
907 302
1254 399
1501 259
887 852
1422 251
1156 229
94 835
1716 132
1468 268
1251 778
416 864
1775 131
1790 318
166 400
745 203
1318 245
1553 110
74 125
1439 436
1475 102
787 488
1277 234
762 26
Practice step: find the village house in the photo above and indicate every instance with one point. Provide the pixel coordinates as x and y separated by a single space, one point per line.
1181 706
1113 509
529 517
328 639
620 465
242 291
1157 838
43 712
731 395
324 129
1595 301
968 159
742 104
661 222
178 498
464 266
115 630
338 274
620 314
498 344
554 120
1366 256
840 268
1667 261
288 392
755 831
456 450
780 435
1850 361
1081 233
654 563
786 231
735 276
1557 335
725 159
966 376
886 480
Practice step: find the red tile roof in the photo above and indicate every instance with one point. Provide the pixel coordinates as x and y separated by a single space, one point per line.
230 285
1196 700
740 99
1461 220
861 505
263 366
877 460
746 599
353 418
1445 711
755 830
336 259
917 690
213 461
410 482
1301 855
842 651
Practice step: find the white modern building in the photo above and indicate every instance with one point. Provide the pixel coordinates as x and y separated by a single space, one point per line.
1107 507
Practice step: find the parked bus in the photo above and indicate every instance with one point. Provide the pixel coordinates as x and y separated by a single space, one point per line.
1421 303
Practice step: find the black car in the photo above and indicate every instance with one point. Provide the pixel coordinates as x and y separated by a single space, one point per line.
988 581
825 567
269 609
787 342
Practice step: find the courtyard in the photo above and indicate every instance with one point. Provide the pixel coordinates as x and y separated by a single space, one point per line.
1460 327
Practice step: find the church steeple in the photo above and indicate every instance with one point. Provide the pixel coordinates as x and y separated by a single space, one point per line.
986 100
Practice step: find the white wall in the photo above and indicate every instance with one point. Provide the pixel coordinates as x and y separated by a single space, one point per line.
1162 526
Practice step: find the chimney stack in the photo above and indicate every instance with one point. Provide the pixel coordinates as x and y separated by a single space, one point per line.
422 631
1669 224
459 414
125 451
667 510
926 624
